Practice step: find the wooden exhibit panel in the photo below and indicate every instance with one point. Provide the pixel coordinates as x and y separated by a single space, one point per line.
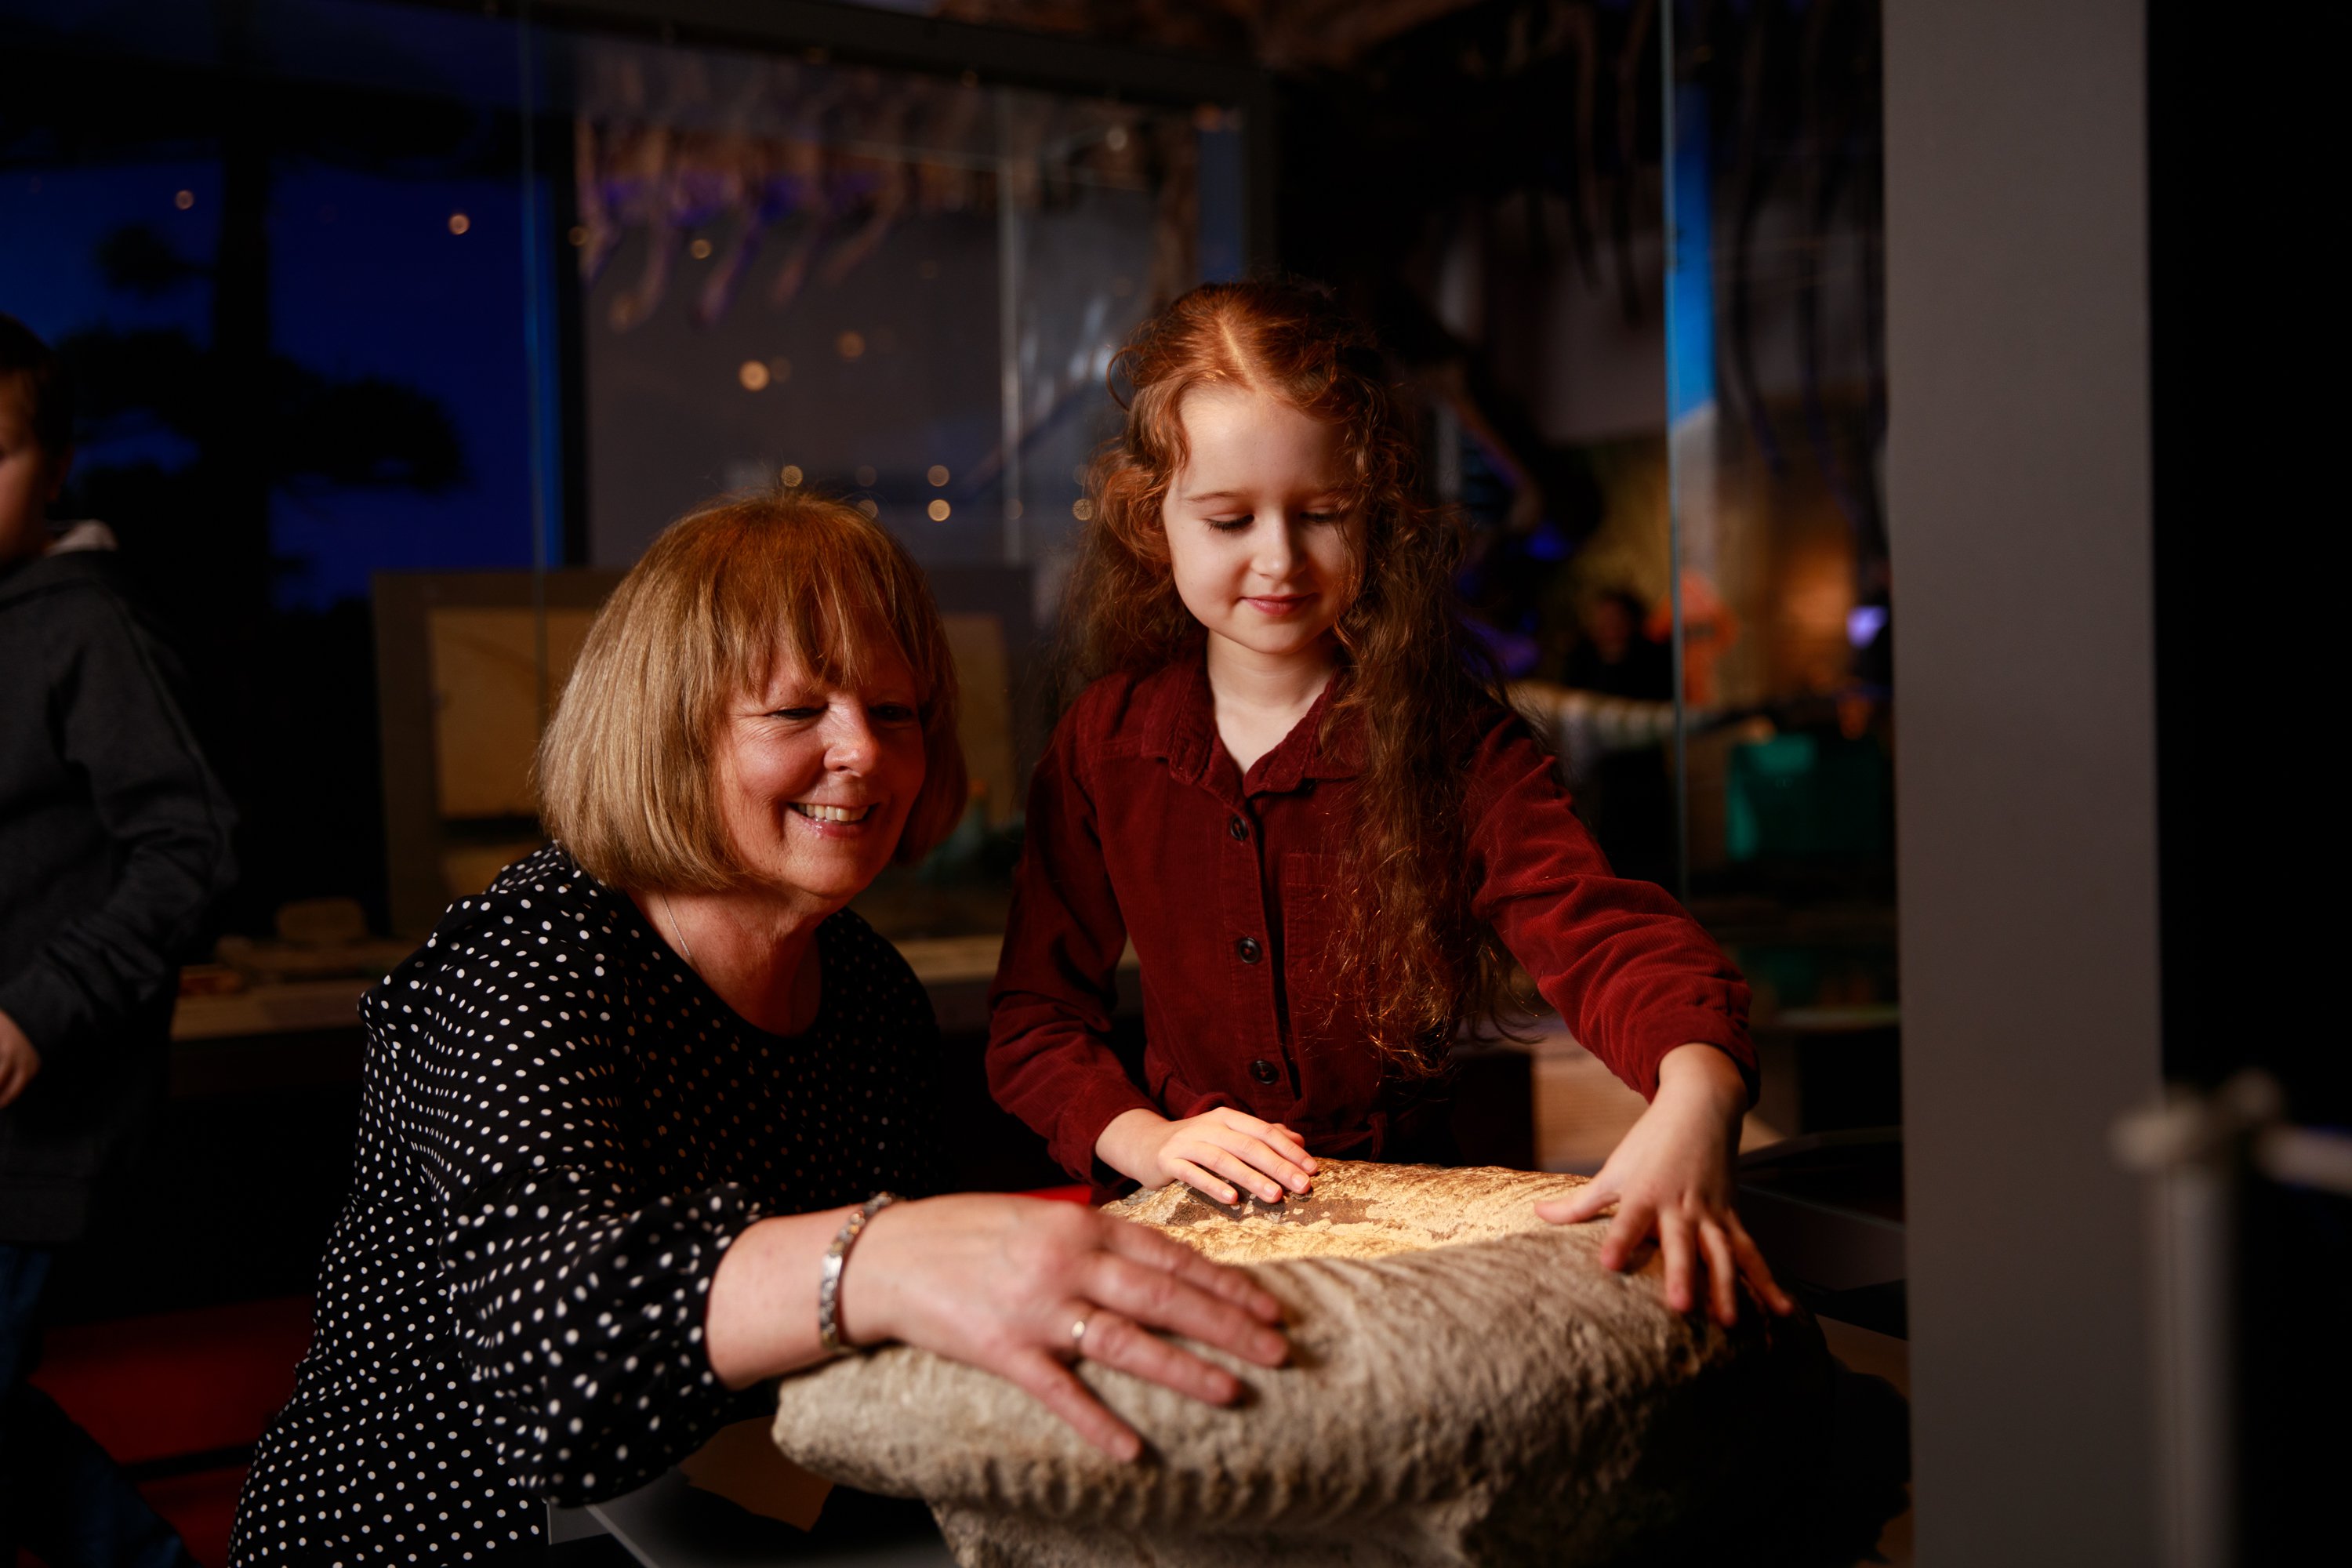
984 674
497 673
459 684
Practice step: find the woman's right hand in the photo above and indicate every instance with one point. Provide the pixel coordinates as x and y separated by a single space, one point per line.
1217 1152
1001 1283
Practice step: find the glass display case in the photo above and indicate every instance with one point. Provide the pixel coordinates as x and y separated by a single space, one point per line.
1776 403
1781 598
1672 473
401 329
1781 608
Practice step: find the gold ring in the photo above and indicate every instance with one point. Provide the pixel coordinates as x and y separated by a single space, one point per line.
1079 1330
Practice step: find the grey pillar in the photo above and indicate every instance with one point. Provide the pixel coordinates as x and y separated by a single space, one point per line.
2018 497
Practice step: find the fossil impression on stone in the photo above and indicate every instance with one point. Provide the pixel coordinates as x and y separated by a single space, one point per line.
1467 1385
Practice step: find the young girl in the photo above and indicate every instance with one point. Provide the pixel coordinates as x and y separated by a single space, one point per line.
1292 786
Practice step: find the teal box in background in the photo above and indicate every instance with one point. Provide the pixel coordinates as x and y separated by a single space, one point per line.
1802 797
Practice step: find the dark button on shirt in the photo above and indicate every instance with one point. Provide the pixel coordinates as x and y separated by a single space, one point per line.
1238 828
1133 789
1249 949
1264 1070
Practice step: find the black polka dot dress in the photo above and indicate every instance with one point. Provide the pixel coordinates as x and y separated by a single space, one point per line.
562 1130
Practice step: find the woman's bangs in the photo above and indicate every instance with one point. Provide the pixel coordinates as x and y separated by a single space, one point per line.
832 604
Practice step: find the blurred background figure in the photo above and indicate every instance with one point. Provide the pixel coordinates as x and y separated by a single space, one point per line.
114 845
1616 657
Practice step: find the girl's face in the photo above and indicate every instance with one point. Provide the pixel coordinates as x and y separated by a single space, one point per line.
1260 534
814 781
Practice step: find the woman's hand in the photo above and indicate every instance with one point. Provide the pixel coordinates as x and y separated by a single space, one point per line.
1671 1174
999 1283
1214 1152
1021 1286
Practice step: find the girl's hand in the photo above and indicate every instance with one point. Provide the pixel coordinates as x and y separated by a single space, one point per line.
1213 1152
1671 1175
1001 1283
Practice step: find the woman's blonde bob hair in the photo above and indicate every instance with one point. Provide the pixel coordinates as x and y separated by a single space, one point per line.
625 767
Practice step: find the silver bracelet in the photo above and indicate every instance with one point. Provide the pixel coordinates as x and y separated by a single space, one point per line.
828 1278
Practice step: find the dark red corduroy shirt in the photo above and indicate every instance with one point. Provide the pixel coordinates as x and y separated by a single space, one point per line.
1140 828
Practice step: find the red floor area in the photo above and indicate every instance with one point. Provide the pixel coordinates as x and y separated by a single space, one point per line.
181 1384
184 1384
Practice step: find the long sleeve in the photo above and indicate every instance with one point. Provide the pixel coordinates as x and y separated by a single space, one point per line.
562 1130
1631 973
1055 989
580 1275
114 725
581 1322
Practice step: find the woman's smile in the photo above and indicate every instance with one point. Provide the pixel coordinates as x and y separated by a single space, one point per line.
840 816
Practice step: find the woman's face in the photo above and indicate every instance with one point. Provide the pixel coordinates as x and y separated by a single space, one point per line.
1259 529
816 780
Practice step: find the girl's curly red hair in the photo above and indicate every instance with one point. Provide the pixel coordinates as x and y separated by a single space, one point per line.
1409 943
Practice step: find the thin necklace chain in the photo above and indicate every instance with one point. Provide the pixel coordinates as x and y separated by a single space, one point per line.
685 948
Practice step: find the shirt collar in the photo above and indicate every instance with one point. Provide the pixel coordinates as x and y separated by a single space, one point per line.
1180 726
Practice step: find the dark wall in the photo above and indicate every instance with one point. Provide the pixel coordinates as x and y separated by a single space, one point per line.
2243 133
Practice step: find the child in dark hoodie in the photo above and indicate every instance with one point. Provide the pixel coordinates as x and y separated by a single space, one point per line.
114 842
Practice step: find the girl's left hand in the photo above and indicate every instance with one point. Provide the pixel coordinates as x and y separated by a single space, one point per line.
1671 1174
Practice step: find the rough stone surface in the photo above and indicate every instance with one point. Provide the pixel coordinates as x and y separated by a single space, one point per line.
1467 1385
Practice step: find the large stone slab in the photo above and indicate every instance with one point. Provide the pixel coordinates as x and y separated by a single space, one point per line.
1468 1386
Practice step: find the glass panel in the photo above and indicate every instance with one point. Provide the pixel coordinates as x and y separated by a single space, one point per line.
1777 396
1544 371
787 269
901 288
402 332
296 273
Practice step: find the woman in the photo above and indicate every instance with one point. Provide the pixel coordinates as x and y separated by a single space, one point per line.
618 1107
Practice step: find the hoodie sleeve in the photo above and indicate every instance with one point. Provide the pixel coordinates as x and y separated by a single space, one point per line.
113 720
